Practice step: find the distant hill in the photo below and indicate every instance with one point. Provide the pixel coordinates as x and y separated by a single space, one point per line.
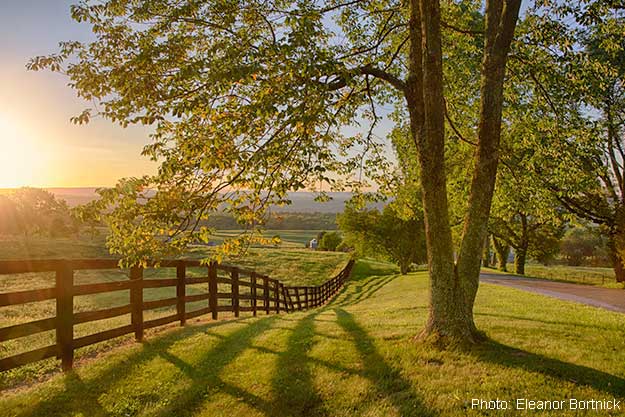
302 202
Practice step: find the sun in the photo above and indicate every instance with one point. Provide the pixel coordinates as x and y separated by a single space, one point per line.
20 158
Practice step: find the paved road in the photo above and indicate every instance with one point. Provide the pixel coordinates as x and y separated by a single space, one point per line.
607 298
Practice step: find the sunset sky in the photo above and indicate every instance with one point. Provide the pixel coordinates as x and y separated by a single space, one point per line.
38 145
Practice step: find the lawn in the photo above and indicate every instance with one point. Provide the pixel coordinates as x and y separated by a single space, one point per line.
587 275
353 357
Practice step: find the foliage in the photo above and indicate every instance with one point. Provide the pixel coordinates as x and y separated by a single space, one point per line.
575 59
330 241
247 102
33 211
386 235
582 246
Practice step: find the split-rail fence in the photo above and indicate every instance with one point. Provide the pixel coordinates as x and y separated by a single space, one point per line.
248 292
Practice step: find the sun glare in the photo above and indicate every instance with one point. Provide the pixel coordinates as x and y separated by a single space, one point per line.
20 158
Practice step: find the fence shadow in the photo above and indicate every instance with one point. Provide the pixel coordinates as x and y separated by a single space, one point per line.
292 384
80 396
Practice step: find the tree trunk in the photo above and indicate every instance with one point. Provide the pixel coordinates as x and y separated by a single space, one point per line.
424 95
404 268
617 261
501 18
520 251
486 254
520 254
503 251
453 288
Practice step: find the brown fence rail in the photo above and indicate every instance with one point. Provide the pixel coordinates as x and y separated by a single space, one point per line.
249 292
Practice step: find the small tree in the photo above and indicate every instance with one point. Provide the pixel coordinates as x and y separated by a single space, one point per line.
385 234
30 211
330 241
579 244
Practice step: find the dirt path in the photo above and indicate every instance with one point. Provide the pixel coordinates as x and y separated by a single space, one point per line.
607 298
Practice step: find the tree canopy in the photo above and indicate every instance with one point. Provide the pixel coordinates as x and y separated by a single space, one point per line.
248 100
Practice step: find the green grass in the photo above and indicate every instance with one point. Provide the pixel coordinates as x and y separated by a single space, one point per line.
289 238
354 357
602 277
35 247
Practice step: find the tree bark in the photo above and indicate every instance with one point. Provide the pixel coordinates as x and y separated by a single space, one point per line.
617 260
520 255
501 18
502 250
453 286
486 253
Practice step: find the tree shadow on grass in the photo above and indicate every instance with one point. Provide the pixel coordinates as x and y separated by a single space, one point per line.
79 396
500 354
550 322
387 381
294 392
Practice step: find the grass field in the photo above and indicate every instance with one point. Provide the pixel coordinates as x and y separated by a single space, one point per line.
289 238
87 245
291 266
353 357
603 277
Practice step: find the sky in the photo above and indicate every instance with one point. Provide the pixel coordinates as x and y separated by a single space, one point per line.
38 144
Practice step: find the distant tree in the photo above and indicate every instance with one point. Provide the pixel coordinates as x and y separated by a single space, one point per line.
580 244
33 211
525 214
385 234
330 241
8 216
486 257
502 251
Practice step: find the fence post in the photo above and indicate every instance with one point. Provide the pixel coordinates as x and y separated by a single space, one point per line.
212 289
234 275
266 293
299 303
181 270
65 315
276 289
253 292
136 301
286 301
306 298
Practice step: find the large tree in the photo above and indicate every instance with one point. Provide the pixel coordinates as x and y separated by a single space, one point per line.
577 65
248 99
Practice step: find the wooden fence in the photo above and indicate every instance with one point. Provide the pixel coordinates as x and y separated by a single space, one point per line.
249 292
